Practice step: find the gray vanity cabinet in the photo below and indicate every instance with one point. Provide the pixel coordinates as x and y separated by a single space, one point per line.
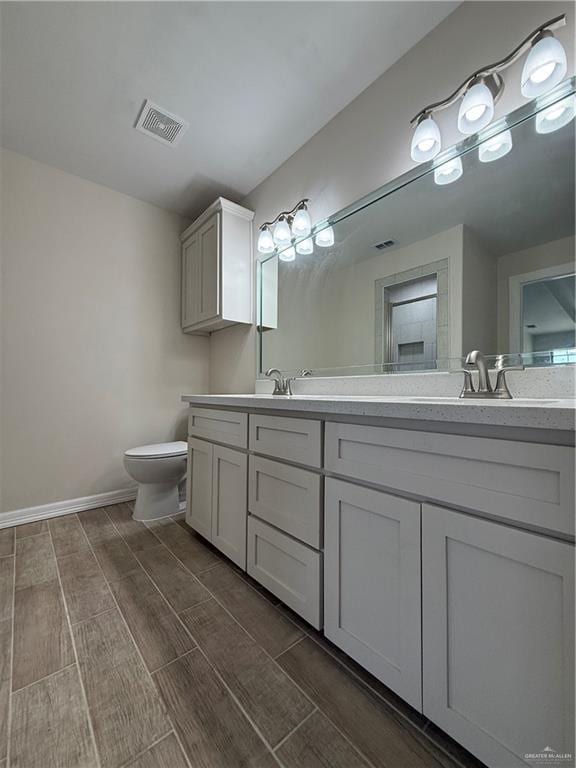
498 637
199 487
372 584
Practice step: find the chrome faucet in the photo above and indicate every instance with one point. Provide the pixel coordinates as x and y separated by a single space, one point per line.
476 360
282 386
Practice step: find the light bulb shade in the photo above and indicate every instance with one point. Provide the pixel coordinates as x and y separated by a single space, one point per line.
289 254
557 116
265 241
476 110
426 141
282 234
305 247
301 225
545 67
495 148
448 172
325 238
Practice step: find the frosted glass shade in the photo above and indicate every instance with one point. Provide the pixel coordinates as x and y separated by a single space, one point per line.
301 225
448 172
495 148
282 234
265 241
426 141
305 247
556 116
545 67
325 238
287 255
476 110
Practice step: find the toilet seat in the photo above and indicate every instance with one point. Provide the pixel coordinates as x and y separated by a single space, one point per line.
158 450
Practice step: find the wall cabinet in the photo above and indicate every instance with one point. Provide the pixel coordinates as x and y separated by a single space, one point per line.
498 637
372 583
217 269
216 497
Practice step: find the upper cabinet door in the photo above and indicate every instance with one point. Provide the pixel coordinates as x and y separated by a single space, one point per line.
230 503
208 236
191 280
372 587
199 487
498 637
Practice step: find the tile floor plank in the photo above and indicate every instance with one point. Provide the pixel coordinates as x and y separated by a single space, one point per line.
317 744
67 535
134 533
264 691
166 754
186 545
179 587
35 561
6 541
159 634
42 643
5 654
6 586
273 631
86 591
213 730
127 714
31 529
50 725
116 560
97 526
371 725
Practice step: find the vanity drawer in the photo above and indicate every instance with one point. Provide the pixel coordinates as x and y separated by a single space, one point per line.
297 440
524 482
288 497
228 427
290 570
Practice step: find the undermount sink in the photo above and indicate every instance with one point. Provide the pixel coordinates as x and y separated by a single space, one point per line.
482 400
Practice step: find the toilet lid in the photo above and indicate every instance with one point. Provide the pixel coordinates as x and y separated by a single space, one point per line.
158 449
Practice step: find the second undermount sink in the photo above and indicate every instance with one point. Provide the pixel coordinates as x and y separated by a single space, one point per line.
483 401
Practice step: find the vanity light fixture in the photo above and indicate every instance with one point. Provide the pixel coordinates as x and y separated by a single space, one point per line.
305 247
495 147
544 68
325 238
556 116
288 254
288 224
448 172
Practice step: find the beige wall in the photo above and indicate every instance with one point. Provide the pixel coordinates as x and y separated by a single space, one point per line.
367 143
539 257
93 358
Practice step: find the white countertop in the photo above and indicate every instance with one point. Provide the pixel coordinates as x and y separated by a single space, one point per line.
553 414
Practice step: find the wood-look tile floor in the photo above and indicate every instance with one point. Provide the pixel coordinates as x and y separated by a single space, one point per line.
130 645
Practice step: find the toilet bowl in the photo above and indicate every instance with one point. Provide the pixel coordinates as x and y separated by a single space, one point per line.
158 469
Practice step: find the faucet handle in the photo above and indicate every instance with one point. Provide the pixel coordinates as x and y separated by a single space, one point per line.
501 388
468 387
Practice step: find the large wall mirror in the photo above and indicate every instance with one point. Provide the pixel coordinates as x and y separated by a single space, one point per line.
473 253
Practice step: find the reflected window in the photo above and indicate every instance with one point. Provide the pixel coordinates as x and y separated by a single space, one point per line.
549 318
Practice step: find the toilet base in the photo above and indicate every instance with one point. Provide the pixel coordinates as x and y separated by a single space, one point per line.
156 500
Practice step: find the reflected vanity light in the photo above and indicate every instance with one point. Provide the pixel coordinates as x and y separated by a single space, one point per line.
544 68
448 172
556 116
305 247
325 238
495 148
289 254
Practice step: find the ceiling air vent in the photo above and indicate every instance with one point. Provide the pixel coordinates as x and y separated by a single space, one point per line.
385 244
160 124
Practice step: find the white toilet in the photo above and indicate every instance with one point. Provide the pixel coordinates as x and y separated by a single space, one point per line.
158 469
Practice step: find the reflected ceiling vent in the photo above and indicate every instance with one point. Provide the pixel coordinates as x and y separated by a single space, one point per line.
384 244
160 124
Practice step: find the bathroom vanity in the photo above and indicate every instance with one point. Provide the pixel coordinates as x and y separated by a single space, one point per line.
436 555
429 537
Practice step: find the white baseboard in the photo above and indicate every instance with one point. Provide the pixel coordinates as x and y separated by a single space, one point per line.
57 508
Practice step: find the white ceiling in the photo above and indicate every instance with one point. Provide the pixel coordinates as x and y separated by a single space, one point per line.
255 80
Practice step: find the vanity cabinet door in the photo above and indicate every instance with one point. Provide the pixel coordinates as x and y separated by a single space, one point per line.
372 588
229 503
191 282
498 637
199 487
